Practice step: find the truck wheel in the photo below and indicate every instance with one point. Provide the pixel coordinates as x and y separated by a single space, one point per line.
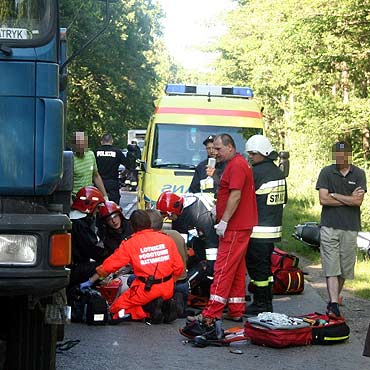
30 343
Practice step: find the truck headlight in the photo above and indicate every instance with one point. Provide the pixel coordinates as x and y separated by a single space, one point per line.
18 249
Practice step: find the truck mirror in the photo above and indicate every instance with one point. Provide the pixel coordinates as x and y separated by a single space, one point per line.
284 162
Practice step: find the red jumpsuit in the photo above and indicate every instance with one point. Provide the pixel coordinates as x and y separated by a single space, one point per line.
228 285
150 253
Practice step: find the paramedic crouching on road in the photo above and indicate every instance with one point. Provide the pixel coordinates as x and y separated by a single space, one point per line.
271 195
236 213
156 264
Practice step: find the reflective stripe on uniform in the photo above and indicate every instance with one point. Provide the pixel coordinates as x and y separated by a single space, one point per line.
217 298
277 185
236 300
267 232
261 284
211 254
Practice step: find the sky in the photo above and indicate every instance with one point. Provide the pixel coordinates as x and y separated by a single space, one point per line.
189 24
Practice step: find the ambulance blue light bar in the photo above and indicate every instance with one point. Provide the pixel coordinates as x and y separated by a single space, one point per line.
209 90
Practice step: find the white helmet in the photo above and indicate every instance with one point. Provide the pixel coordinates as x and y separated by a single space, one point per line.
260 144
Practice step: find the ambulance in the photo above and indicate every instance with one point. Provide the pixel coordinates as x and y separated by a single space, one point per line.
183 118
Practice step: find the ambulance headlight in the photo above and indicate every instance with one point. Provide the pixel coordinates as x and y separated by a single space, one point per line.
18 249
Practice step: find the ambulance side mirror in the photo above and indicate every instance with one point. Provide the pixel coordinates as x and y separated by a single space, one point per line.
284 163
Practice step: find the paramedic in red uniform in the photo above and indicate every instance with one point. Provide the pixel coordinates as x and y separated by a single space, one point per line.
236 214
156 264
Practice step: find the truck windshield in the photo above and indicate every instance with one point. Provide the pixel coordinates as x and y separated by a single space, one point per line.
181 146
26 22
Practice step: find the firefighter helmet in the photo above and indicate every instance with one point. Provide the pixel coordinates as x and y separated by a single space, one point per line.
260 144
87 199
109 208
169 203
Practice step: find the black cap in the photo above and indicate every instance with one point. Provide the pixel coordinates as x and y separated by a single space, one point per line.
209 139
341 146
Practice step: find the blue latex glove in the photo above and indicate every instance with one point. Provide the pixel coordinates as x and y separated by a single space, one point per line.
86 284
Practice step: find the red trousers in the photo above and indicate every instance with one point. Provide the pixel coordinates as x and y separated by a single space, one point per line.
135 297
228 287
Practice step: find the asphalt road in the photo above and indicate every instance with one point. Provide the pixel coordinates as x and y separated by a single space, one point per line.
138 346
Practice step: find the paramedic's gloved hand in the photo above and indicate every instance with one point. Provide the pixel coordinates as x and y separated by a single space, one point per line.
86 284
221 228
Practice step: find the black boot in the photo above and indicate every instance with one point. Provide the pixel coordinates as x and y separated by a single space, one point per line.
154 308
169 310
269 298
260 304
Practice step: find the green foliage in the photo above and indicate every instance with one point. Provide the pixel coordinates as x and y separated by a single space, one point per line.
112 84
308 63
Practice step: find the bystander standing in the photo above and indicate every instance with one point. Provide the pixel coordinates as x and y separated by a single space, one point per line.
341 189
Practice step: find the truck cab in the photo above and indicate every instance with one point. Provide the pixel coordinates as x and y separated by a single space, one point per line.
35 182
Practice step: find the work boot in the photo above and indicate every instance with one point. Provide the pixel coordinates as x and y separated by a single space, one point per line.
154 308
169 311
180 307
269 298
262 301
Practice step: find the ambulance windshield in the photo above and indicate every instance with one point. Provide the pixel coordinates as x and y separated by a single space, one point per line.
181 146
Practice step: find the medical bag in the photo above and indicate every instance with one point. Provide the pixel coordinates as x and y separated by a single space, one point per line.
279 330
288 281
288 278
282 260
88 306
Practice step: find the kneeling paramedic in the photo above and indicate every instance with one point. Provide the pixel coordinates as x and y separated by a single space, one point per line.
271 195
156 264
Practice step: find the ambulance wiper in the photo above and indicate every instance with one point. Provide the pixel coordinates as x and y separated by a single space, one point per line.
177 165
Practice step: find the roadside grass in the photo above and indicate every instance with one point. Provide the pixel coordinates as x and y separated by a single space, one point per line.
298 211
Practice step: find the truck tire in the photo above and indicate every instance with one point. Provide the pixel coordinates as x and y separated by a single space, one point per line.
30 343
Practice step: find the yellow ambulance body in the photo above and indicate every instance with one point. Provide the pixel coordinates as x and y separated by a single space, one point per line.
182 120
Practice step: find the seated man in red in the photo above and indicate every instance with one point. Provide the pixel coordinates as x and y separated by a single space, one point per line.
156 264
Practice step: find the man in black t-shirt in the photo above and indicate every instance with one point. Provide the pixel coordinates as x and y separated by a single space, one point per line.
108 159
341 191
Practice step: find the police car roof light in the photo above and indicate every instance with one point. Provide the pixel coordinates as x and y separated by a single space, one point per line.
178 89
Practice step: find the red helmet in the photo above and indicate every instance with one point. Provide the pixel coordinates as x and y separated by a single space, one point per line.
169 202
87 199
109 208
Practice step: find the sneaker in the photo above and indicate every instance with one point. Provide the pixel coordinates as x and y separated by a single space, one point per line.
333 311
226 316
155 311
194 329
169 310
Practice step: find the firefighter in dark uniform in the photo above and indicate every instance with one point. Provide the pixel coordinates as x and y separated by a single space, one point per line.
271 195
113 227
87 250
108 159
